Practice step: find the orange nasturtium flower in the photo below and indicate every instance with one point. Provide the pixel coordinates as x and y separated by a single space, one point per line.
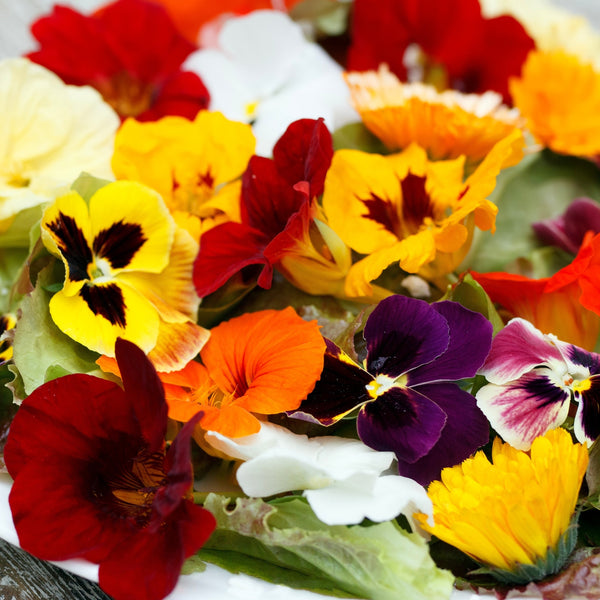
403 208
190 163
447 124
259 363
566 304
127 273
559 95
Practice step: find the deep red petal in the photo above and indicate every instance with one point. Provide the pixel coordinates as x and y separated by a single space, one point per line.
144 391
224 251
147 565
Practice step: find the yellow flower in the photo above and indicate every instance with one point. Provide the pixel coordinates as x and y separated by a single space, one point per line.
447 124
514 510
404 208
559 95
190 163
128 273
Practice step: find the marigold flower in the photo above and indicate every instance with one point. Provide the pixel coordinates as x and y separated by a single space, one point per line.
127 273
78 135
453 36
404 208
137 73
559 95
92 479
514 510
533 378
447 124
405 392
566 304
191 165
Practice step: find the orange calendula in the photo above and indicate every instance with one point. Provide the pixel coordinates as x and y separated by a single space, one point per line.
194 165
559 95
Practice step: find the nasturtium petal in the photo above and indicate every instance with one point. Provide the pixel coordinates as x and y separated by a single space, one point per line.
100 313
131 227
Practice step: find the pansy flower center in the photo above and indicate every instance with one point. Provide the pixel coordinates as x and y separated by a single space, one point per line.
382 383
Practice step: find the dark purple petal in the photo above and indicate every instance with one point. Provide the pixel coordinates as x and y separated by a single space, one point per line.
580 358
527 407
145 392
465 431
341 388
403 333
587 420
403 421
470 343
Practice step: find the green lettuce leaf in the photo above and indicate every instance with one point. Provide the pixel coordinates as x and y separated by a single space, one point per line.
284 542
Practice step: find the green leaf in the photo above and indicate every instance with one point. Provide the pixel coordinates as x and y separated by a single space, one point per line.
87 185
356 136
540 187
40 348
284 542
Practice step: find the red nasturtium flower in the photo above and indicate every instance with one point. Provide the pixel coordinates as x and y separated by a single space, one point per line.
566 304
476 54
130 51
92 479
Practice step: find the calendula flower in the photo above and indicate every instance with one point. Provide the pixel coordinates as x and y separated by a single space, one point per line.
405 391
264 71
138 73
447 124
453 39
281 225
78 135
93 479
343 480
566 304
534 378
513 514
559 95
403 208
259 363
127 273
191 165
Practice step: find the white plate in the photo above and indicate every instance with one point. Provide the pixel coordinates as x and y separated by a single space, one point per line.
214 584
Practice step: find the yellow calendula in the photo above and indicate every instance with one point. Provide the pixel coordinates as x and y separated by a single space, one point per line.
403 208
194 165
513 514
127 273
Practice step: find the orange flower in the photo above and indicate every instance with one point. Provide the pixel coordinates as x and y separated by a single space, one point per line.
566 304
261 363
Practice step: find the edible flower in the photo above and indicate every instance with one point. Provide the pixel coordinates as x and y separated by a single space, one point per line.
405 391
513 514
127 273
343 480
138 74
94 480
78 135
192 165
533 379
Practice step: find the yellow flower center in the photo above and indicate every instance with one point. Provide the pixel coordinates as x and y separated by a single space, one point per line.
383 383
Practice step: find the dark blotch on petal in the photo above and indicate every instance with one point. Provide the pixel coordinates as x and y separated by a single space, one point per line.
106 301
119 243
542 389
72 245
416 203
382 211
590 400
402 421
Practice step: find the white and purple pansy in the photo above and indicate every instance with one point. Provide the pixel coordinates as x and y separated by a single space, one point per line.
405 391
533 378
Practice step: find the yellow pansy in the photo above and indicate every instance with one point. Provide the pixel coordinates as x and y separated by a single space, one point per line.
127 273
192 164
407 209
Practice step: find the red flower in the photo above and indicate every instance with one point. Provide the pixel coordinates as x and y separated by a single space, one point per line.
274 192
477 54
130 51
92 479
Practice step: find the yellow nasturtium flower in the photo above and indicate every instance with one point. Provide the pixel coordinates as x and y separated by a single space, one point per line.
194 165
403 208
127 273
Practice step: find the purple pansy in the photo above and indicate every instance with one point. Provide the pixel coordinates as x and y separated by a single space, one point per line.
405 393
533 379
